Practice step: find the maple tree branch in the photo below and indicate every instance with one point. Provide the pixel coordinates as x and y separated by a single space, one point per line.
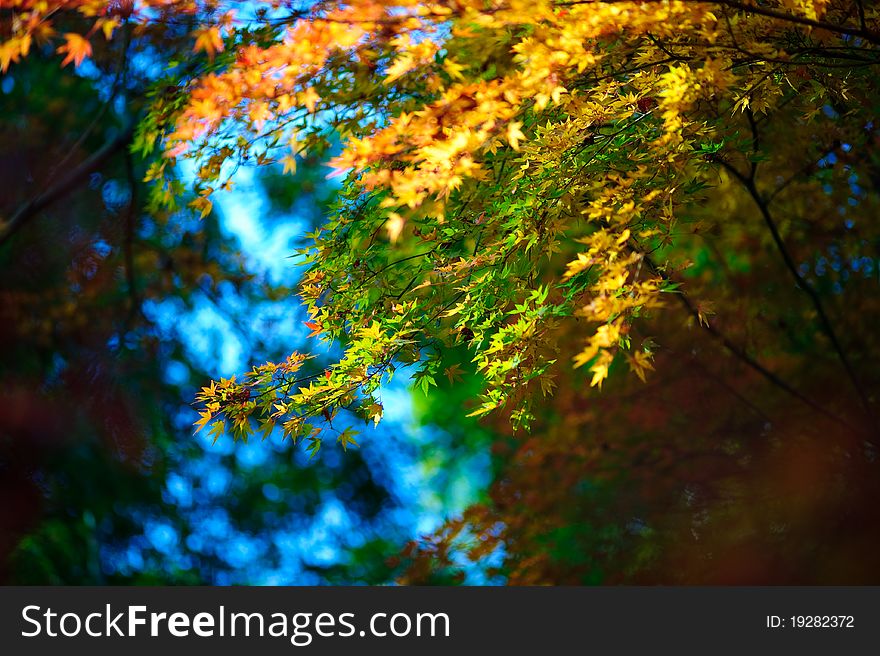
738 351
861 9
827 327
807 169
744 357
128 243
860 32
65 185
756 144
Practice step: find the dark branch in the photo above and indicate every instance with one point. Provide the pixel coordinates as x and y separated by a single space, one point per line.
744 357
861 32
65 185
827 327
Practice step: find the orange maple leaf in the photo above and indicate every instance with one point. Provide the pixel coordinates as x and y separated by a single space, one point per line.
76 47
209 40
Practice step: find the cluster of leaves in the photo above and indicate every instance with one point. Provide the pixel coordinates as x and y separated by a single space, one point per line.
509 167
520 179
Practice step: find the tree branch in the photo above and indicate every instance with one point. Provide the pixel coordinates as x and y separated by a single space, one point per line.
861 32
825 323
741 355
128 242
65 185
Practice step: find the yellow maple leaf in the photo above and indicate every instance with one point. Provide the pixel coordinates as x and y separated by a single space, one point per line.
394 226
453 69
202 205
514 134
209 40
289 164
309 98
205 417
600 373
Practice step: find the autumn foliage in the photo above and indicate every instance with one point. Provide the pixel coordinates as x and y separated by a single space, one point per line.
669 201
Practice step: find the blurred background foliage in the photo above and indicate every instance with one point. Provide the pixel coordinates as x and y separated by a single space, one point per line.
112 317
